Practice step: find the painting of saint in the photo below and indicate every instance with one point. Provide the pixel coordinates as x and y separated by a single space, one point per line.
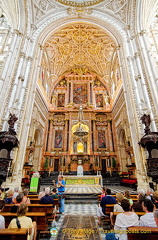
58 139
61 100
101 139
99 100
80 93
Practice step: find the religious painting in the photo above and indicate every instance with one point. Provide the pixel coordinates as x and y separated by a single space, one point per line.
80 95
99 100
61 100
58 139
101 139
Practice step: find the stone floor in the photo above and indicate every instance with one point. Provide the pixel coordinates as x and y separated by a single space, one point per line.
82 209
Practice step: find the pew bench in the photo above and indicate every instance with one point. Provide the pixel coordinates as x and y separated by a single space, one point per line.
133 197
147 233
47 208
13 234
39 217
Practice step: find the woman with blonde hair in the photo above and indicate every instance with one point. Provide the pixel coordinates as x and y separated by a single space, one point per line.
23 221
117 207
25 198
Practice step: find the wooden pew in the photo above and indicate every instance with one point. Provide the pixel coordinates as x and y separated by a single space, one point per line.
13 234
133 197
147 233
39 217
47 208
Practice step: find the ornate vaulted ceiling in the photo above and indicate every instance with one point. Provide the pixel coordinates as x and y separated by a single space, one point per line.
80 46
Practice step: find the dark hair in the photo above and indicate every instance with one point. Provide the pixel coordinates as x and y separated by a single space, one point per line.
19 197
54 190
22 209
149 205
2 204
125 205
108 191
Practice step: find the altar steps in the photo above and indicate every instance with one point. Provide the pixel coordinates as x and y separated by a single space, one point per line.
81 198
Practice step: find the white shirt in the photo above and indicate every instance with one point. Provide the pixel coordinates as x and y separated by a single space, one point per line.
148 220
2 222
124 221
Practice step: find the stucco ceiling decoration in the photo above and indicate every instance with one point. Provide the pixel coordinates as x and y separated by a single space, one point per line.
80 46
79 3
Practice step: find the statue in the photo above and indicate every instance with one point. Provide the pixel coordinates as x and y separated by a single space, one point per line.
146 120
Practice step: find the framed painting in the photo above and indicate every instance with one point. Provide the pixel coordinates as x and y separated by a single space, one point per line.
80 95
61 100
58 139
99 100
101 139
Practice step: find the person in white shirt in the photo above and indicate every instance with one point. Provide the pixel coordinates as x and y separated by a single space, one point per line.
156 216
2 219
148 219
125 220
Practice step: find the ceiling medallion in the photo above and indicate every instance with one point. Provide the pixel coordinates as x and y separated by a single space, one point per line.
80 3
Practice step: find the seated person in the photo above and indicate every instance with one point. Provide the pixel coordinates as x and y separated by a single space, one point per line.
41 194
108 199
2 219
24 222
47 199
54 194
25 198
16 192
137 206
9 197
103 193
156 216
148 219
155 198
18 201
149 194
128 196
125 219
117 207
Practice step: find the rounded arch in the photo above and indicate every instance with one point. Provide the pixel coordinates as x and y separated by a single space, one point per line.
38 147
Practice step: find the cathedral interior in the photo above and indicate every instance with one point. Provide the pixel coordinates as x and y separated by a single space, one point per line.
79 66
78 90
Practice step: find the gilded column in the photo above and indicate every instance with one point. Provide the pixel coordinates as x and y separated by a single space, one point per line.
50 136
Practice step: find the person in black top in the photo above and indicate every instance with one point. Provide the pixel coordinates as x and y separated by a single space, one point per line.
47 199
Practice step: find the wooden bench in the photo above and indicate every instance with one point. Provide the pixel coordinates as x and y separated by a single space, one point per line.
147 233
47 208
39 217
133 197
13 234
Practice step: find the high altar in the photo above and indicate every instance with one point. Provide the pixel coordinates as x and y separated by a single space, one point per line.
80 102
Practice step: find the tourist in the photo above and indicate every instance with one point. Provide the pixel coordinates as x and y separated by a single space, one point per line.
149 194
128 197
41 194
2 219
8 199
137 206
155 198
156 216
47 199
25 198
103 193
108 199
125 219
148 219
54 193
16 192
61 190
24 222
18 201
117 207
